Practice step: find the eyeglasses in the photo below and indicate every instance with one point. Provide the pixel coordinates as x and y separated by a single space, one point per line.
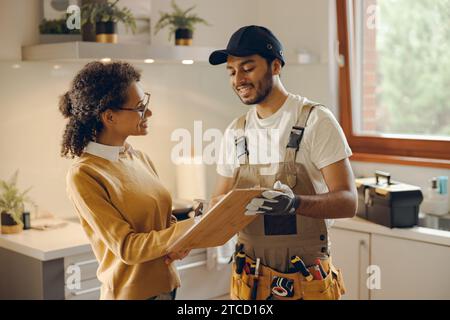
141 107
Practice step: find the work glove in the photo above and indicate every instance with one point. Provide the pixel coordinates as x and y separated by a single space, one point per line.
280 201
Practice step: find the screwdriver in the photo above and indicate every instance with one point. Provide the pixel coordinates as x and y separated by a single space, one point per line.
255 280
315 270
252 268
240 262
324 274
300 267
239 247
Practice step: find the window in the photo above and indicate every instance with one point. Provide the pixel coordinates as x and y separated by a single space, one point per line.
395 92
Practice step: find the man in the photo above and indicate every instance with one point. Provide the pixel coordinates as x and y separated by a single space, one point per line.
308 174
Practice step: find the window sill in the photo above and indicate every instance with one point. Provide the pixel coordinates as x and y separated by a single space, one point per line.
406 161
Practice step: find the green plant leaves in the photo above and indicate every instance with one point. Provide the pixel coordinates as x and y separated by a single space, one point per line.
178 19
12 200
104 12
57 26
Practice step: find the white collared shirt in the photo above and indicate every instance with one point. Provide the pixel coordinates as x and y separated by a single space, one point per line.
104 151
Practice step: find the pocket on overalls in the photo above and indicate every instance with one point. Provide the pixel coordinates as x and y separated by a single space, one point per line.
330 288
242 285
234 286
245 288
339 280
239 287
263 286
294 277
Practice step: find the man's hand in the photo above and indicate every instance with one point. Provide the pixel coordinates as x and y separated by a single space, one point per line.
172 256
281 201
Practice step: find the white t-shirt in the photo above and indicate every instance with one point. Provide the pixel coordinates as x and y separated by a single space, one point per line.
323 142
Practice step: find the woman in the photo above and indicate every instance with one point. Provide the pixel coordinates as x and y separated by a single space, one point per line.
123 207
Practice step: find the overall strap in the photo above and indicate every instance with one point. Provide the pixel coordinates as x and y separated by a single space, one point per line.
241 141
296 137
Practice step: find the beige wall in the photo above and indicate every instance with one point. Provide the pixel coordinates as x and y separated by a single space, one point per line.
18 26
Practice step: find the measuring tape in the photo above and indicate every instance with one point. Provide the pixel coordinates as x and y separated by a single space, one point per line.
282 287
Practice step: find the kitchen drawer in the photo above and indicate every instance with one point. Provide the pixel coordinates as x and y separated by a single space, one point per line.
86 262
89 290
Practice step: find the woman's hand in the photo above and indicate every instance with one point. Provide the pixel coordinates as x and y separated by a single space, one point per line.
172 256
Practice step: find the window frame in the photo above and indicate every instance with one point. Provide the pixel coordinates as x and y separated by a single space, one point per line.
417 152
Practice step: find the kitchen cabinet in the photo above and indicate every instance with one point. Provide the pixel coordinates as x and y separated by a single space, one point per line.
58 264
83 266
410 263
351 253
25 277
33 263
410 269
74 277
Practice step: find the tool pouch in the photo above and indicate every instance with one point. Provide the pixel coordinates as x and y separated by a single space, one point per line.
330 288
241 286
240 290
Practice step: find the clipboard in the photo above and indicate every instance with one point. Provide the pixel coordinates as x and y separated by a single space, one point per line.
220 223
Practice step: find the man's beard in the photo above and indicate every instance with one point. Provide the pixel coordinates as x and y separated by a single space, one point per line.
264 88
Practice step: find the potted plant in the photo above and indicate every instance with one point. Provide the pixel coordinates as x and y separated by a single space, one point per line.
105 16
12 204
180 23
52 31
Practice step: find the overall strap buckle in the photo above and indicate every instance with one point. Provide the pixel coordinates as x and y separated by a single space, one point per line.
241 146
295 137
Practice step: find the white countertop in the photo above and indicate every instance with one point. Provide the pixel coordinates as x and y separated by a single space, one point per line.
416 233
70 239
49 244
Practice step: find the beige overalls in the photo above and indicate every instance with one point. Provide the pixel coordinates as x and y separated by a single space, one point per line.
275 239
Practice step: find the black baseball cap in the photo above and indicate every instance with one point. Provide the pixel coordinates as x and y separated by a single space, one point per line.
248 41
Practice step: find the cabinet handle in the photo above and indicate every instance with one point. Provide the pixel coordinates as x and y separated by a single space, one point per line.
362 245
82 263
79 293
191 265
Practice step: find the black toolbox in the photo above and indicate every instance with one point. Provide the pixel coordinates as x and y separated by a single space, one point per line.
389 203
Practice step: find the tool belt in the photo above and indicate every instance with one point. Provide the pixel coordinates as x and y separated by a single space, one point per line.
294 286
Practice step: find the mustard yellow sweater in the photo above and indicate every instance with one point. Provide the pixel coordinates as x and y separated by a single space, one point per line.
126 213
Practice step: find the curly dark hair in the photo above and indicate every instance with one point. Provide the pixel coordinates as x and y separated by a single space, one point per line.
96 88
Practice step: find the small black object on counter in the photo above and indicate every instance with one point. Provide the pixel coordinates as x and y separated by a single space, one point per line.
26 220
